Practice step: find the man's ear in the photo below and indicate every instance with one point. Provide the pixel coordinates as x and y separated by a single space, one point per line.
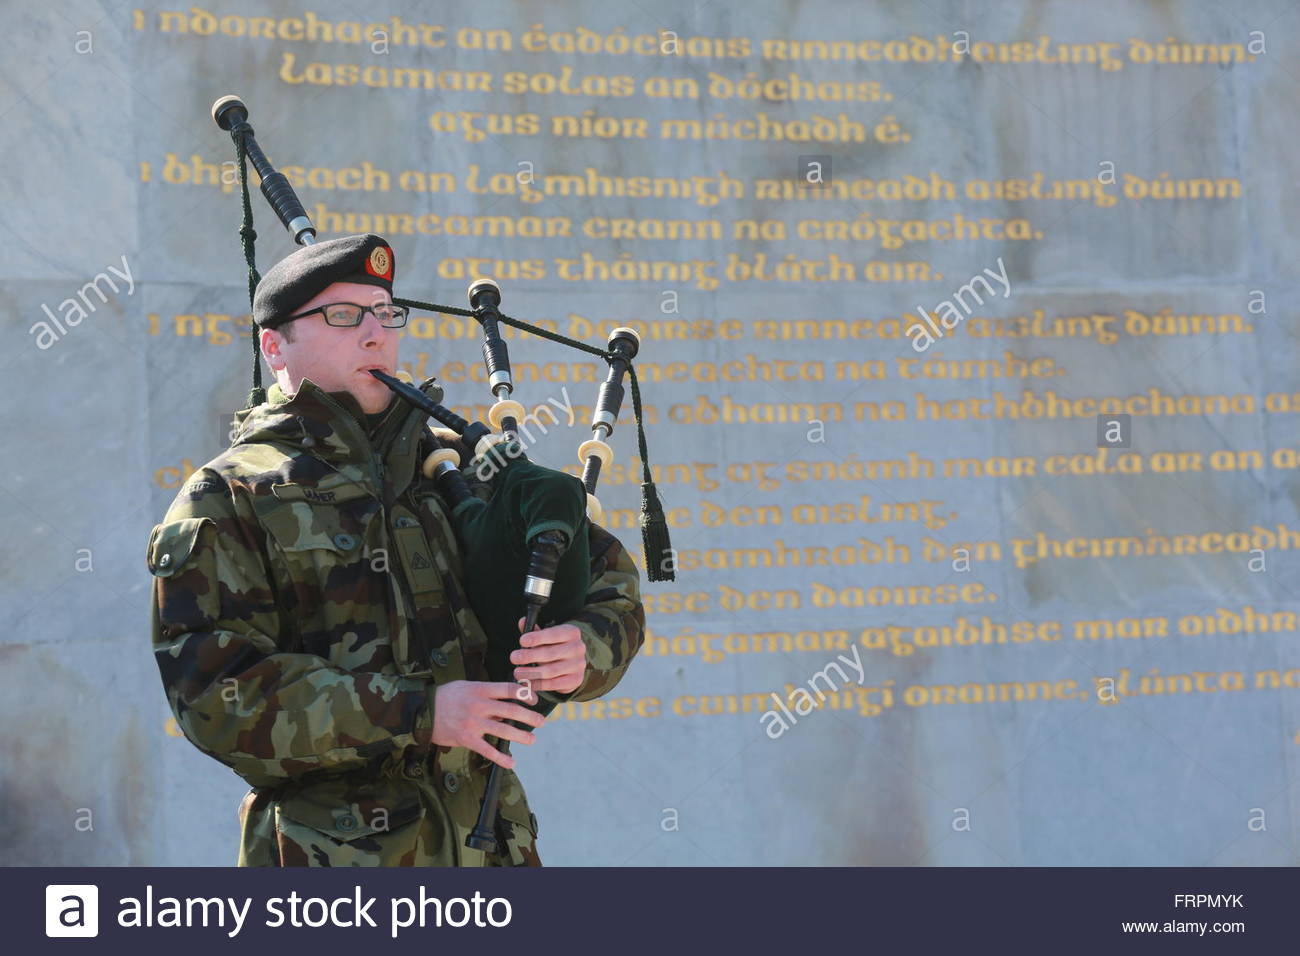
269 342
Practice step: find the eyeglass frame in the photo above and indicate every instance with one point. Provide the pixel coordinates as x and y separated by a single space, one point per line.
360 317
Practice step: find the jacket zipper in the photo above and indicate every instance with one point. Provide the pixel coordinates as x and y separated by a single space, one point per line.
423 646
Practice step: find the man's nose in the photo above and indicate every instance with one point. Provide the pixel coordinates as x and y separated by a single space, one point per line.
372 330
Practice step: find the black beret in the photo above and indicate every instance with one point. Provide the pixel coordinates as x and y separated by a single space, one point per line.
303 275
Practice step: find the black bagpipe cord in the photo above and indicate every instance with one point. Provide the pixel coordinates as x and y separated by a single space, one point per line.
248 240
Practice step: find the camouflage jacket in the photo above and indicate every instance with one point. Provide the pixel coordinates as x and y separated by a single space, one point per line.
307 600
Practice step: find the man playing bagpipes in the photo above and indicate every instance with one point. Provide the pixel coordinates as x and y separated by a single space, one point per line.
310 614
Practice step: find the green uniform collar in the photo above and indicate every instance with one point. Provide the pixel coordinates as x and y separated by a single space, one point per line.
332 427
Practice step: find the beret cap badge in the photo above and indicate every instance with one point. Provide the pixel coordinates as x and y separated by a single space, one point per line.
380 262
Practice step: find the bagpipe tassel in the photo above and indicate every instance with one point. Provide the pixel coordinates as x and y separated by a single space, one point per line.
660 561
658 549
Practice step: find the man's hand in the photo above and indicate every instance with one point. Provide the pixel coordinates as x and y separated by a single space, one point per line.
556 659
465 712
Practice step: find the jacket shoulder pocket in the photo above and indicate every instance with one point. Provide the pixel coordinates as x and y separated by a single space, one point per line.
171 544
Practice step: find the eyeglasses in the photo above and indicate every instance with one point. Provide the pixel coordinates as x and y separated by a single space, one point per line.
348 315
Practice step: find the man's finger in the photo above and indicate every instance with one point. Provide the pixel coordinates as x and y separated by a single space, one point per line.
535 655
550 635
481 746
500 690
570 651
505 731
508 711
562 684
541 671
526 692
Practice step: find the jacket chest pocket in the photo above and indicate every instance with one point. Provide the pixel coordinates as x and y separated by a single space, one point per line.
336 522
329 577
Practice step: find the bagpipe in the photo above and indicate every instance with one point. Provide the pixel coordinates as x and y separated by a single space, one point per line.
524 548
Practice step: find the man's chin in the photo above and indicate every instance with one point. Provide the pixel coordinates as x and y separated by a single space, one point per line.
373 398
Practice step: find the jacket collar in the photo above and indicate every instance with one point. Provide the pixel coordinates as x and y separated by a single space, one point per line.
330 426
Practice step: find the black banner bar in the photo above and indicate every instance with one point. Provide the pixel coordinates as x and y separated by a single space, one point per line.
753 910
